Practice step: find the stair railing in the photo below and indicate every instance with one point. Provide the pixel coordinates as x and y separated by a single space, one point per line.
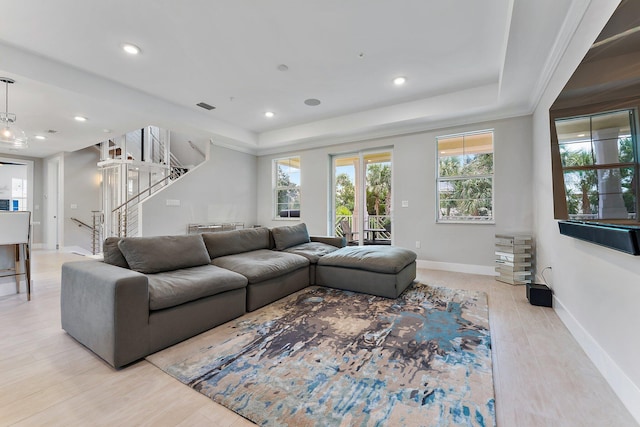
124 218
125 215
95 229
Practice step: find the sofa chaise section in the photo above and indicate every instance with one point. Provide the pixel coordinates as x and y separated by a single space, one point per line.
385 271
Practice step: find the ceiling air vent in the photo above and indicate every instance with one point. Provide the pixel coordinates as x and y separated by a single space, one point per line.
205 106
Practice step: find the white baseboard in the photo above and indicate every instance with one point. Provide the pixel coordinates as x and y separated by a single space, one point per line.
458 268
76 250
626 390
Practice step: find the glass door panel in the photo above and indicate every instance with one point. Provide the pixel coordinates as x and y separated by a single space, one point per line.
347 198
377 188
362 197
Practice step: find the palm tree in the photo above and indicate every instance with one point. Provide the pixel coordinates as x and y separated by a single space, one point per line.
379 184
449 166
470 192
587 179
476 191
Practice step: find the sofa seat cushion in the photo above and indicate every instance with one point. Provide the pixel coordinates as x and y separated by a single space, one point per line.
312 250
172 288
261 265
164 253
379 259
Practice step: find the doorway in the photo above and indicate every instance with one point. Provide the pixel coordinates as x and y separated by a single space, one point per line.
361 197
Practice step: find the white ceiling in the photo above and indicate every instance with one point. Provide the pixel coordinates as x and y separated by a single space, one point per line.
465 60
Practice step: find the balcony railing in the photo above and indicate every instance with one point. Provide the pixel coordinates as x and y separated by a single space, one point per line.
378 222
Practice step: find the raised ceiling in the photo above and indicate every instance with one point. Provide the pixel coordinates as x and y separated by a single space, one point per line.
465 60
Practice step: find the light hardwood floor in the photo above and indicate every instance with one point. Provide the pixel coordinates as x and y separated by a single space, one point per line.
541 376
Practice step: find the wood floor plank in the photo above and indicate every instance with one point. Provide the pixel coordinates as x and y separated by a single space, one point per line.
541 375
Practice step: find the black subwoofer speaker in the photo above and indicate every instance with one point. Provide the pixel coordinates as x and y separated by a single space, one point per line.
539 295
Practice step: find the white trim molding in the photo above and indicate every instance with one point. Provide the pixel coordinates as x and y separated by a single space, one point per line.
626 390
457 268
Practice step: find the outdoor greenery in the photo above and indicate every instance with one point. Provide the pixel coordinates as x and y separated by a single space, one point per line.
465 186
378 191
287 191
345 195
581 183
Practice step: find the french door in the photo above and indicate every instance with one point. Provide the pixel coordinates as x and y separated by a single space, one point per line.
361 203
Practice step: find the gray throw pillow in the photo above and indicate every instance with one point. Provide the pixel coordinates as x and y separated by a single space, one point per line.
233 242
288 236
164 253
112 253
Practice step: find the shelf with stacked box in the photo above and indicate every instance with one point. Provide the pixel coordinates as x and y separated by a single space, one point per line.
513 258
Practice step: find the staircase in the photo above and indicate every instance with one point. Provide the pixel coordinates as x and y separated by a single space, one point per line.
134 166
95 229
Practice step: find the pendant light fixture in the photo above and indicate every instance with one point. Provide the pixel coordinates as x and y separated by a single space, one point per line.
11 136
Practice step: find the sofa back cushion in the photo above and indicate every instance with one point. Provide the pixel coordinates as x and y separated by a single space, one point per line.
112 253
288 236
233 242
164 253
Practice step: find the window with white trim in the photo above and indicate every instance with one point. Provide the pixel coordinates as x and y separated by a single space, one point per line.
286 187
595 166
465 177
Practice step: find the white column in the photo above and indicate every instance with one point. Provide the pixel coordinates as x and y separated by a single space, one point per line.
610 203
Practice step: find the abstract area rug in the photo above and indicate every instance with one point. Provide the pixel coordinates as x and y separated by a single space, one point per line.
326 357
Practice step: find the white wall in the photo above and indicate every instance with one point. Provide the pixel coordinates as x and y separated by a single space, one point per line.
82 181
596 290
414 171
222 189
184 152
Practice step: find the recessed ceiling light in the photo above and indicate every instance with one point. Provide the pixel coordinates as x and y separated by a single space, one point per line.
312 102
131 49
80 119
269 114
40 137
283 67
399 81
580 135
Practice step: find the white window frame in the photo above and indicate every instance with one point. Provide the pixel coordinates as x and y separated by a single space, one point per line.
440 180
274 175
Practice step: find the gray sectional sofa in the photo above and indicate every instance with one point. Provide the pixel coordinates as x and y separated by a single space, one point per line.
152 292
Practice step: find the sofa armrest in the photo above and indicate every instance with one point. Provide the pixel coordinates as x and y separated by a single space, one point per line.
106 308
338 242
